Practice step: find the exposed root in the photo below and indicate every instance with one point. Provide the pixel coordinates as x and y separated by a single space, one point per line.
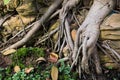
65 25
97 61
76 59
114 53
108 54
87 35
46 36
22 31
61 49
37 25
88 32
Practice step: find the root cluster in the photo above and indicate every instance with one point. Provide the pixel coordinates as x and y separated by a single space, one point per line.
83 51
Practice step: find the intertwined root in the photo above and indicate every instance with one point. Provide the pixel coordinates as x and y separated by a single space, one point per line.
87 33
87 42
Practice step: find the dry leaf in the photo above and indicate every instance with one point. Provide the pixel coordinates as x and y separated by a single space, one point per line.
28 70
53 57
55 37
65 51
54 26
54 73
16 69
41 59
10 51
73 34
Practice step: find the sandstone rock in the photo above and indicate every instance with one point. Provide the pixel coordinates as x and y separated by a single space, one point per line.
28 8
110 28
15 24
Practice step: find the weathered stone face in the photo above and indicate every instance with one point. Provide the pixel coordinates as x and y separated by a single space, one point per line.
28 11
28 8
110 28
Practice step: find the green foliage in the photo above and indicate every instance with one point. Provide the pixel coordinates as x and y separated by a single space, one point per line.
114 79
65 73
37 51
41 71
110 67
6 1
23 52
38 74
4 74
20 56
21 75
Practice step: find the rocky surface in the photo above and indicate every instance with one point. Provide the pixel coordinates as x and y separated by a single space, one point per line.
110 30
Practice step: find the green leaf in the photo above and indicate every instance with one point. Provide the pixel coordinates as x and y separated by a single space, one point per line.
110 67
6 1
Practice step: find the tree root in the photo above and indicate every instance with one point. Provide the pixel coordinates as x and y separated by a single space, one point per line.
46 36
37 25
84 47
115 61
88 32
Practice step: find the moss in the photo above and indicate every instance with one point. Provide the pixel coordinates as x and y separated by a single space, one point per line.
26 56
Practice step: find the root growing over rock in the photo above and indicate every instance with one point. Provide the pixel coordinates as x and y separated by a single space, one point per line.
83 49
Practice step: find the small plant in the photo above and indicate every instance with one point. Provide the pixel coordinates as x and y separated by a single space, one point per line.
65 74
6 1
110 67
40 72
20 56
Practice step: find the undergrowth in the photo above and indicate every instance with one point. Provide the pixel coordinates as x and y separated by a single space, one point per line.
26 56
41 71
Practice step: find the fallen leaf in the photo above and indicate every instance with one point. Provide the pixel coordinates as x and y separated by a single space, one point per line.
53 57
16 69
65 51
73 34
28 70
41 59
55 37
54 26
10 51
54 73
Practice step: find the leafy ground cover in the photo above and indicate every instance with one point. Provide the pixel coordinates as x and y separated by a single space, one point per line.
35 64
25 67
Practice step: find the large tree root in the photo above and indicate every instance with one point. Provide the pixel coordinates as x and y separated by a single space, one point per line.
88 32
84 47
